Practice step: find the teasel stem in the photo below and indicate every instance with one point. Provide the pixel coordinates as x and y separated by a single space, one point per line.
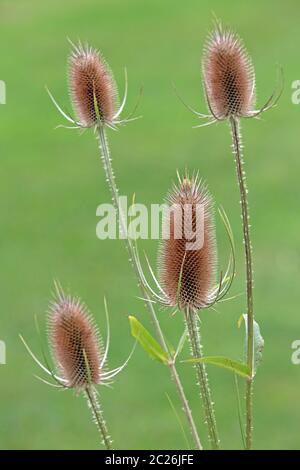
185 405
105 155
98 417
192 323
237 148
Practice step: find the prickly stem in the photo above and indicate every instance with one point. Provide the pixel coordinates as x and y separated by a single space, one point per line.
196 351
97 413
241 176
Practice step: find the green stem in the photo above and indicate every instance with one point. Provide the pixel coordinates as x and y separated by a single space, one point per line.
185 405
106 159
237 149
195 341
98 417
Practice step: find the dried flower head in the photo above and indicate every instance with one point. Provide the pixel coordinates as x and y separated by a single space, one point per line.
92 86
228 74
187 267
93 92
75 342
76 346
229 80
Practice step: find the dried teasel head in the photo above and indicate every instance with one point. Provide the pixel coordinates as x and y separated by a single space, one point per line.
92 87
75 342
93 92
229 80
228 74
187 257
76 346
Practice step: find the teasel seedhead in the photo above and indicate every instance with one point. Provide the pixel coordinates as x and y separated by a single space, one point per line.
229 79
187 257
187 275
93 91
76 346
228 74
75 342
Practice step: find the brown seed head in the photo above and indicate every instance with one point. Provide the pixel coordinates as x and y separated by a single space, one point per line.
229 78
92 86
74 341
186 274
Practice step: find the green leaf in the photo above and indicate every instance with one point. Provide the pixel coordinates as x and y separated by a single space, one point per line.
238 367
258 342
239 408
146 340
179 421
181 343
240 321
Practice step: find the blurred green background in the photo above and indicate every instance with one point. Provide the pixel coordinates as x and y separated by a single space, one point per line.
52 181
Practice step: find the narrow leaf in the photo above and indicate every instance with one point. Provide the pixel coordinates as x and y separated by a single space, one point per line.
146 340
239 407
238 367
258 342
179 421
181 343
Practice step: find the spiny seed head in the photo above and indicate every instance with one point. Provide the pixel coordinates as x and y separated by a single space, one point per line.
74 341
187 275
229 78
92 86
